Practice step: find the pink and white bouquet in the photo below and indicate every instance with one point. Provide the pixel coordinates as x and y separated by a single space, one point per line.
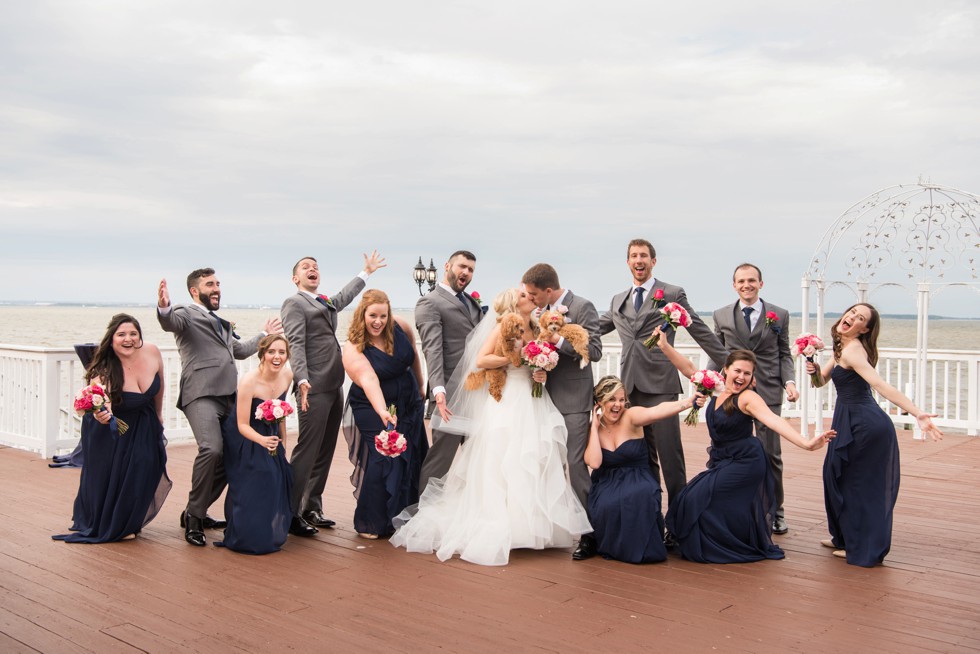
674 315
93 399
539 355
706 382
273 412
808 345
389 442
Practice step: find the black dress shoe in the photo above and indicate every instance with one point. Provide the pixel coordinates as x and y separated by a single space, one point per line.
317 519
670 543
194 530
300 527
779 526
586 548
209 522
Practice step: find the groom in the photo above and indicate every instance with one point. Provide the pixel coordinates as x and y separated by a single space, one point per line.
569 385
444 318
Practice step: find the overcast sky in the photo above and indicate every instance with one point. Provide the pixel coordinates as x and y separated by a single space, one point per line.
143 139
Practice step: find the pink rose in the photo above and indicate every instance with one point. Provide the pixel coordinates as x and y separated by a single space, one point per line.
658 294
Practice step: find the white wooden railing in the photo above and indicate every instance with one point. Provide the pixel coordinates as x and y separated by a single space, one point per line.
37 386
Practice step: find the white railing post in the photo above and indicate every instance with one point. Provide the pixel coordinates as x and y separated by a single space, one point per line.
804 386
49 400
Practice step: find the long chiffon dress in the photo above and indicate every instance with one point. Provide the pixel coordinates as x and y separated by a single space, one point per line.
124 481
257 502
861 472
725 514
624 506
383 485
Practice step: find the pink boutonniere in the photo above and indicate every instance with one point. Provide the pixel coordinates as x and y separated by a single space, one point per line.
560 308
657 298
476 296
771 322
325 298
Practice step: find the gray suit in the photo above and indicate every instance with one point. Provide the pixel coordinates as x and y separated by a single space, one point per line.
443 323
208 382
571 386
310 328
650 378
774 368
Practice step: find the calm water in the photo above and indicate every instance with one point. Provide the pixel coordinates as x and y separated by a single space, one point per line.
56 326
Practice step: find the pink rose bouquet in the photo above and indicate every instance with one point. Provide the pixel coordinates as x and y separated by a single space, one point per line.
390 442
93 399
539 355
807 345
706 382
674 315
273 412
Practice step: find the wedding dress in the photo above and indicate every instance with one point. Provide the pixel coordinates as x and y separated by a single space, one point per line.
507 487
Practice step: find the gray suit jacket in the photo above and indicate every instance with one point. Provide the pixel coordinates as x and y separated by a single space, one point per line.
775 363
570 385
207 357
311 329
649 371
444 323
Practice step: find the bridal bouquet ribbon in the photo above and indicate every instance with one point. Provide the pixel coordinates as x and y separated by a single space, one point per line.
705 382
93 399
807 345
273 412
539 355
674 315
390 442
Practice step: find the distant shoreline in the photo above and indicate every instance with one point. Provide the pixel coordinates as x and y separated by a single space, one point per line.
265 307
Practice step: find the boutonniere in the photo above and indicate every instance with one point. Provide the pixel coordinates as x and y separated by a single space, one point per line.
476 296
657 298
234 327
325 299
772 321
560 308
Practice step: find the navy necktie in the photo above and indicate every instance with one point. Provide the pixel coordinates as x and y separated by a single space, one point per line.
638 298
461 298
217 321
747 312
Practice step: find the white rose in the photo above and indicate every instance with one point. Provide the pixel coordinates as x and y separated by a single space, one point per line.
278 412
97 401
809 350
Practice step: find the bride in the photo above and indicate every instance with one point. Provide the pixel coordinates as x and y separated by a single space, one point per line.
507 488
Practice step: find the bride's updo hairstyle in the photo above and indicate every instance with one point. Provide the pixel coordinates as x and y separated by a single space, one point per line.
506 302
357 333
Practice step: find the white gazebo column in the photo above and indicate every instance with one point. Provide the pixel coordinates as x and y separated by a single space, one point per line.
804 382
921 350
818 414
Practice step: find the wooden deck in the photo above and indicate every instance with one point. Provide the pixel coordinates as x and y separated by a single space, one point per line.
336 592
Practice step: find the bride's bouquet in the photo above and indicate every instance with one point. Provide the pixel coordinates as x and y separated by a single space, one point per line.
674 315
390 442
539 355
808 345
92 399
705 382
273 412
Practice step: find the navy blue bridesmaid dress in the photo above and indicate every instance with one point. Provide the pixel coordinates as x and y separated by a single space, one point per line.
383 485
257 502
861 472
124 481
624 506
724 515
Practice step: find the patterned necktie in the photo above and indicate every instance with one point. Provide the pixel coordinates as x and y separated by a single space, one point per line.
638 298
747 312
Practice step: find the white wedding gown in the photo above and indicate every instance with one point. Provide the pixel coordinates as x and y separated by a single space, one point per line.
506 489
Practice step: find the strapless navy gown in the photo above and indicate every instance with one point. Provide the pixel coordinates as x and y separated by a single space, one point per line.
624 506
724 515
861 472
257 503
124 482
384 486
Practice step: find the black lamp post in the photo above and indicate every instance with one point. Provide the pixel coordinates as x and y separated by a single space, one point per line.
423 275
